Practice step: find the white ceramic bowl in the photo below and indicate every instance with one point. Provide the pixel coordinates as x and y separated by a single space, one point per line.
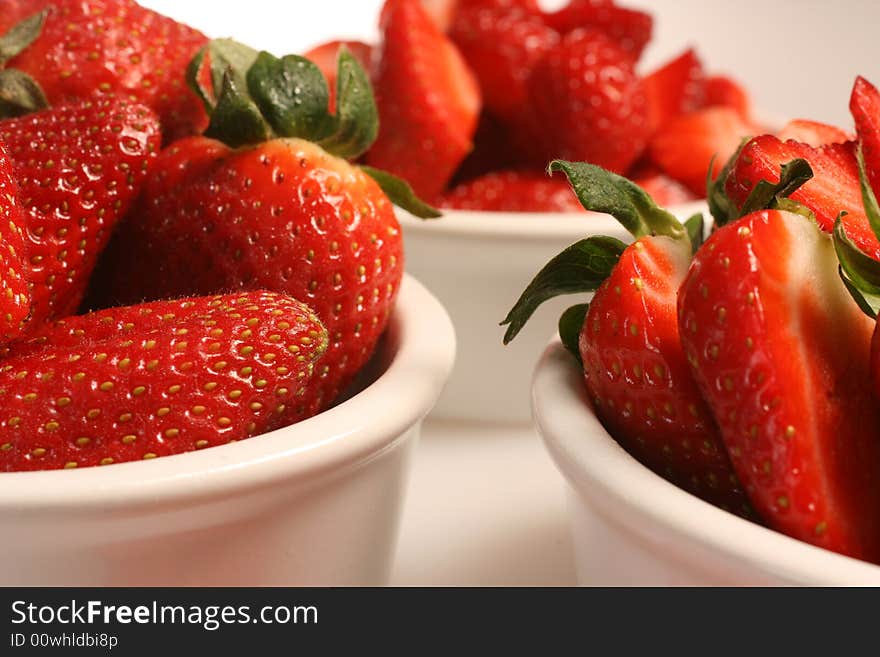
478 263
632 527
317 503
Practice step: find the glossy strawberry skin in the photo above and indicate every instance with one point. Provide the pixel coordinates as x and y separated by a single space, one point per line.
865 107
685 146
283 216
779 350
154 380
630 29
676 88
116 46
588 103
639 380
429 101
15 296
502 48
79 167
512 191
833 189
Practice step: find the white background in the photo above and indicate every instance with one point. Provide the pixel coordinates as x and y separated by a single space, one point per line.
799 57
485 505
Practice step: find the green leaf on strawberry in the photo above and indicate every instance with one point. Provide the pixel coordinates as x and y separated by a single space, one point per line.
696 230
20 36
599 190
19 92
260 97
766 195
570 324
582 267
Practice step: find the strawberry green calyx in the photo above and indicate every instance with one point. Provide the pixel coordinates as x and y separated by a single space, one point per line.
860 272
19 93
585 265
599 190
570 324
765 195
254 97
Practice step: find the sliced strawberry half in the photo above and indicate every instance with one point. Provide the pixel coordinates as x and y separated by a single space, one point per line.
813 133
779 351
428 100
865 107
676 88
833 189
687 145
722 91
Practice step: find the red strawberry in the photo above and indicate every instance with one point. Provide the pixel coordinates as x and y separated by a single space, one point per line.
326 57
865 107
722 91
495 149
588 103
441 12
664 190
512 191
79 168
502 47
813 133
833 189
686 145
115 46
275 213
628 340
159 379
15 297
676 88
428 100
779 350
629 28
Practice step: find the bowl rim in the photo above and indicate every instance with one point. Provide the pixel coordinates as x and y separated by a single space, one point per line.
590 458
419 349
530 226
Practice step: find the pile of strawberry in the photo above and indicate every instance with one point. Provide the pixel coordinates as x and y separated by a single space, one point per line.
481 94
745 369
239 279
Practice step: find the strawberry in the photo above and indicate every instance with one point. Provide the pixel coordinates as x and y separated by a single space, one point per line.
441 12
495 149
511 191
813 133
779 351
83 49
630 29
502 47
722 91
589 103
428 99
157 379
685 147
833 189
15 298
676 88
664 190
628 339
79 167
264 211
865 107
326 55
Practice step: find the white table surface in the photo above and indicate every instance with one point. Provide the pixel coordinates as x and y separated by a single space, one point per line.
485 507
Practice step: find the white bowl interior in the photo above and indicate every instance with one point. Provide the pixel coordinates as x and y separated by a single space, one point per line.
659 531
